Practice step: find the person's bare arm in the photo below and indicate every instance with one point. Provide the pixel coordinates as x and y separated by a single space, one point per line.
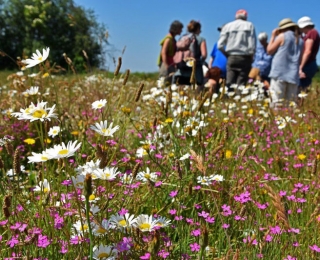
306 52
203 49
276 41
164 51
210 62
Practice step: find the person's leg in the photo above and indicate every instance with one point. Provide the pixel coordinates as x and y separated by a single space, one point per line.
291 92
277 92
231 72
244 65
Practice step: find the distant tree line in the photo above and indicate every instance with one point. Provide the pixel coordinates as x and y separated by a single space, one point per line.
27 25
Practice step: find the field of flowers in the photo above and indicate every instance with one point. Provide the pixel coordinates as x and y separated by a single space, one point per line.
94 167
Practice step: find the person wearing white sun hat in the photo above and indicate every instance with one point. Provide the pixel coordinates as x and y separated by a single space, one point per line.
308 65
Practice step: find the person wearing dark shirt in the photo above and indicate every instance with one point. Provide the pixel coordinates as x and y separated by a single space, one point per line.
308 65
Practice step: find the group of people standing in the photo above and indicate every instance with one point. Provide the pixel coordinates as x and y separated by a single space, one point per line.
286 64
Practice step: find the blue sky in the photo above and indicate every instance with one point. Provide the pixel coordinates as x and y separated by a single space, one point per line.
141 24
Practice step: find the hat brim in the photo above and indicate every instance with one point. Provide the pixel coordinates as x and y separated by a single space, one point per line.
305 25
288 25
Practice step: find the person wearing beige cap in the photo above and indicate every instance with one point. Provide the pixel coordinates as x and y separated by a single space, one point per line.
286 47
308 65
238 42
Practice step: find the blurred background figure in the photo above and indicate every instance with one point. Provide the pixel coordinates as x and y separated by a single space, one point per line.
238 42
198 51
286 46
168 50
261 65
308 65
217 67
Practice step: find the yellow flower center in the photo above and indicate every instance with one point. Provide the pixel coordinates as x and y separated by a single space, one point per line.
101 231
146 147
39 113
99 105
84 227
63 152
40 58
45 190
147 175
144 226
122 222
105 131
92 197
44 158
106 175
103 255
79 184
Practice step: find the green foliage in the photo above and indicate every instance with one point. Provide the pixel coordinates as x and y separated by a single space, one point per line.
27 25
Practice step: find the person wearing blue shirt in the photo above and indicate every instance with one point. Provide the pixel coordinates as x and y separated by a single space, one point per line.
217 59
262 60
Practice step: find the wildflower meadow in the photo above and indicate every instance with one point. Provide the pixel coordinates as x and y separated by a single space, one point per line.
106 167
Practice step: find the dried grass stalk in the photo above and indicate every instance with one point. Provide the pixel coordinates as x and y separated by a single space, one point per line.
206 96
126 76
179 171
199 162
138 94
135 170
16 162
276 201
116 72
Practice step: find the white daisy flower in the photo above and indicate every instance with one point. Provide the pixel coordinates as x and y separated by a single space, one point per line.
53 131
217 177
162 222
10 174
31 92
43 187
103 252
144 223
185 157
101 229
99 104
94 209
122 221
37 58
103 129
282 125
205 180
81 228
107 173
141 152
126 179
78 181
147 175
89 167
36 112
62 150
38 157
302 94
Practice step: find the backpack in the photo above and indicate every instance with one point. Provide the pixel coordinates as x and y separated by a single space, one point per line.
187 47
